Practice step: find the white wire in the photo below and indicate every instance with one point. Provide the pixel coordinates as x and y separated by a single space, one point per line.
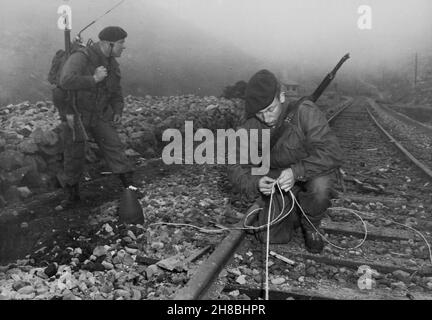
322 236
418 232
282 216
268 246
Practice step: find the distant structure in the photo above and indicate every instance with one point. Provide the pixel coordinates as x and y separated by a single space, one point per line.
292 88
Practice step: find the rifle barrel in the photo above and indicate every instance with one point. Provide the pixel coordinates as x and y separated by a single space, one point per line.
327 80
67 34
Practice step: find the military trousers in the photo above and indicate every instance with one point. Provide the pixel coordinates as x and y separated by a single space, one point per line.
106 137
314 198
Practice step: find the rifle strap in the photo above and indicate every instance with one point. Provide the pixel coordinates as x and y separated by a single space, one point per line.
287 115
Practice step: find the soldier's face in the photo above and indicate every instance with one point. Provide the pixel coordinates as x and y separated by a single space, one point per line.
270 114
118 48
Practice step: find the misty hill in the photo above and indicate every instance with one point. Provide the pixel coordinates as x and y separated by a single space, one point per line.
165 55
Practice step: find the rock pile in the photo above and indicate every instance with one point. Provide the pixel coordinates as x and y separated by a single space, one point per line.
31 146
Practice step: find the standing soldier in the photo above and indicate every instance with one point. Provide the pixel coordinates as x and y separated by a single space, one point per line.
93 75
304 159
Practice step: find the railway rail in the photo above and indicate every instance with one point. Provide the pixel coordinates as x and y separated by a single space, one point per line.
387 186
380 183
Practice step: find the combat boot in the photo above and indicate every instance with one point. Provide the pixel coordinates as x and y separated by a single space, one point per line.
313 241
126 179
72 195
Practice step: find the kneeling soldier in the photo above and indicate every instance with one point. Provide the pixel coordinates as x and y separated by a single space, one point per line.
304 159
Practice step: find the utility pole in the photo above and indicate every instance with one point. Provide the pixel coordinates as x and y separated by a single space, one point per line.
415 71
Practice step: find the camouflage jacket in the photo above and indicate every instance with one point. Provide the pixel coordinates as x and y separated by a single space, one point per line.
100 100
306 145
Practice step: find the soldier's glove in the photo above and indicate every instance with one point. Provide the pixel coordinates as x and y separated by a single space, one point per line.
100 74
265 185
70 120
117 118
286 179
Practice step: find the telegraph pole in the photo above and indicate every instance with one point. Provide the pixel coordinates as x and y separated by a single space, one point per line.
415 71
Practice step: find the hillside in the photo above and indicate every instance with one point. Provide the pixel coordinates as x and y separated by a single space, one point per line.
165 55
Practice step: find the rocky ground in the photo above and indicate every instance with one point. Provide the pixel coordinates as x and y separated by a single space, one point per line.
415 138
99 258
31 145
85 252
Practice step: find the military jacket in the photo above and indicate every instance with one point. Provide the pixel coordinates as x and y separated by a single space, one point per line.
100 100
306 144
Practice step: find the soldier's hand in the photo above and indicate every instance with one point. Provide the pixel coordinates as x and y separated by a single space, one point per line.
117 118
286 179
70 120
100 74
265 185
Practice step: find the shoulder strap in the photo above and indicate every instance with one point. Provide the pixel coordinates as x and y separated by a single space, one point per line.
85 52
288 114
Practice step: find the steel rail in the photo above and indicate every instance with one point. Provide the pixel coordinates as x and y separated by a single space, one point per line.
202 280
423 167
346 105
207 273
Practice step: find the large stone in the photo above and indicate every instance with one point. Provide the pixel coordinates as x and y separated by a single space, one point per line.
121 293
402 275
399 285
153 271
40 162
12 194
28 146
15 176
2 202
30 161
51 270
37 135
241 279
11 159
52 150
100 251
26 290
34 179
2 142
143 140
17 285
277 281
24 192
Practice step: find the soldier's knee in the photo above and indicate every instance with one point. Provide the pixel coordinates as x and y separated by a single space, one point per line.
320 186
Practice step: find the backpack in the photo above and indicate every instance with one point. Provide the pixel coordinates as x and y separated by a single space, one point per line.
61 97
56 66
58 62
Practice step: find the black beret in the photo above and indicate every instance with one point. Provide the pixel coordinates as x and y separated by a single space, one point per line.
260 92
112 34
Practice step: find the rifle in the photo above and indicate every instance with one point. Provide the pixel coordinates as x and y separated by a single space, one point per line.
314 97
324 84
79 38
77 117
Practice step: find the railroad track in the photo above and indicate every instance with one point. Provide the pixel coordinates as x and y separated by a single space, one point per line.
391 194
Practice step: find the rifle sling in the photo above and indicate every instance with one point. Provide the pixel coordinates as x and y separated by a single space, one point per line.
288 113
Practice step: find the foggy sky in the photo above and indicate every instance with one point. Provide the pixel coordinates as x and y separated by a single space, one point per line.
301 31
297 37
307 31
